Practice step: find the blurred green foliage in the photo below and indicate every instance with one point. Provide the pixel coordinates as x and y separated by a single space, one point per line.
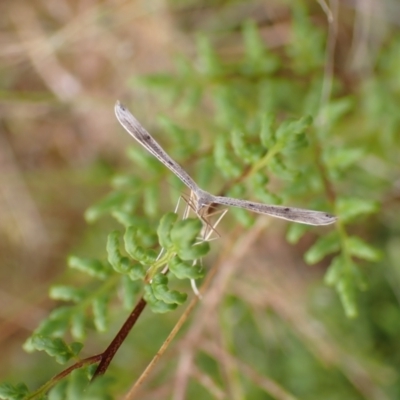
268 133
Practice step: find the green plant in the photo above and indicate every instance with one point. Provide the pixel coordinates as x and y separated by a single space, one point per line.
256 147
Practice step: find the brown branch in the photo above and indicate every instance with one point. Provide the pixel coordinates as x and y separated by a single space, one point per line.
53 381
109 353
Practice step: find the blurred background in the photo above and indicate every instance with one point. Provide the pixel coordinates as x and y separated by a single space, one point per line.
273 329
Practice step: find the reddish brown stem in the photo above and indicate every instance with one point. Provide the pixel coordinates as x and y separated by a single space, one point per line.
111 350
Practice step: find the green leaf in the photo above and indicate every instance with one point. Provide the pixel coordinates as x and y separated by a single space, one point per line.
191 100
342 274
267 133
161 291
67 293
159 80
185 232
209 62
323 246
288 130
90 266
151 195
13 392
348 208
113 201
184 236
99 305
58 392
229 167
253 44
341 158
228 111
347 292
156 305
295 232
126 181
242 216
119 263
56 324
306 44
124 218
358 248
100 389
78 322
186 141
137 272
334 273
336 109
205 170
130 290
164 229
137 252
243 149
257 59
77 384
259 182
143 160
56 347
280 169
185 270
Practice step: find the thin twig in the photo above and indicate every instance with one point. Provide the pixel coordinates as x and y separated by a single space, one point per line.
111 350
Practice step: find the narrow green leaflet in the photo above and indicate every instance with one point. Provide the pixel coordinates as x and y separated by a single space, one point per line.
58 392
358 248
349 208
334 274
229 167
119 263
56 324
13 392
99 305
185 270
341 158
186 142
156 305
347 292
151 199
295 232
161 292
78 323
90 266
209 61
184 236
137 272
144 161
259 182
164 229
288 130
130 290
258 60
113 201
67 293
280 169
135 250
244 149
78 382
336 109
342 274
56 347
323 246
267 133
126 181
